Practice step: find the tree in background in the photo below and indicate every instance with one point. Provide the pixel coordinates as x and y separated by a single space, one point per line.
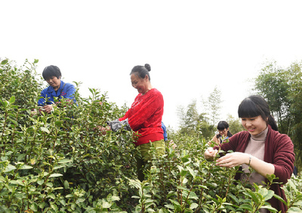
282 89
295 97
234 124
192 122
213 106
189 118
273 84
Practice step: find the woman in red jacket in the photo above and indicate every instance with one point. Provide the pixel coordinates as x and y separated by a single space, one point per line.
144 116
261 147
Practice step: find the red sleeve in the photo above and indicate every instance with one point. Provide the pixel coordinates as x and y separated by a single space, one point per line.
151 107
125 116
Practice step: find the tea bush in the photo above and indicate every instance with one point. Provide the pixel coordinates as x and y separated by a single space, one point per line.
60 162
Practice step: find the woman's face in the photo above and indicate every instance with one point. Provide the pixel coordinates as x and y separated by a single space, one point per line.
54 82
223 132
254 125
141 84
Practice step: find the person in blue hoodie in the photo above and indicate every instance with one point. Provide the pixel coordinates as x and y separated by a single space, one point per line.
57 88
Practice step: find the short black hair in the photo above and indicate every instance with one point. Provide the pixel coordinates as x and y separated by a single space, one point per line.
141 71
222 125
51 71
254 106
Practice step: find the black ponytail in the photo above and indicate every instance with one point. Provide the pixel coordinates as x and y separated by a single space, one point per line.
271 121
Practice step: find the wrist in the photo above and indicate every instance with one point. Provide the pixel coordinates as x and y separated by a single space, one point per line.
249 161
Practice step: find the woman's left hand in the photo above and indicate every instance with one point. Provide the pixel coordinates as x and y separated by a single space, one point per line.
233 159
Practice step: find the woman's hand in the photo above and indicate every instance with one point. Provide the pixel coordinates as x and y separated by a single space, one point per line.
233 159
210 153
47 108
237 158
104 129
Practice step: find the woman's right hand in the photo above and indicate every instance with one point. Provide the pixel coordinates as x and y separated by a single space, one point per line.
210 153
47 108
104 129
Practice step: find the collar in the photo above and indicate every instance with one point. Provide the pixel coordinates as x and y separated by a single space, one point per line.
261 136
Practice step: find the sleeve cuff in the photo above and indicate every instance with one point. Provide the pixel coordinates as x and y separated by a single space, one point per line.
116 125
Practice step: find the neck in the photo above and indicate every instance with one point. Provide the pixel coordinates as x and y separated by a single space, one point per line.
148 89
57 87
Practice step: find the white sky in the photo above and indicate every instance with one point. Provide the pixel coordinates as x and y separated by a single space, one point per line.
192 46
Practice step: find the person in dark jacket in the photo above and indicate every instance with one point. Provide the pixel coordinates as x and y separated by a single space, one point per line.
261 147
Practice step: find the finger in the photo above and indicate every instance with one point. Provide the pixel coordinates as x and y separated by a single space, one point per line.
225 163
222 159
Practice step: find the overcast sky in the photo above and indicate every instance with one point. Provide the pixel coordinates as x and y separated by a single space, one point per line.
192 46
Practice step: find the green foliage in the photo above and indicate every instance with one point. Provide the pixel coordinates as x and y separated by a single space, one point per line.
273 83
19 82
201 124
60 162
194 123
234 124
293 191
283 91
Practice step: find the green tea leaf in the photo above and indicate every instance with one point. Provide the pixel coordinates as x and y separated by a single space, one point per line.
4 61
43 129
246 206
66 184
9 168
65 161
34 207
12 100
55 175
193 206
24 167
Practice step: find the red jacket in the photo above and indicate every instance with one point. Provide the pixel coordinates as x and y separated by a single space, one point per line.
279 151
145 116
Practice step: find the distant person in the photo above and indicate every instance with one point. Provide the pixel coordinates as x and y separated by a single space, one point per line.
144 117
223 133
57 88
260 147
163 126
